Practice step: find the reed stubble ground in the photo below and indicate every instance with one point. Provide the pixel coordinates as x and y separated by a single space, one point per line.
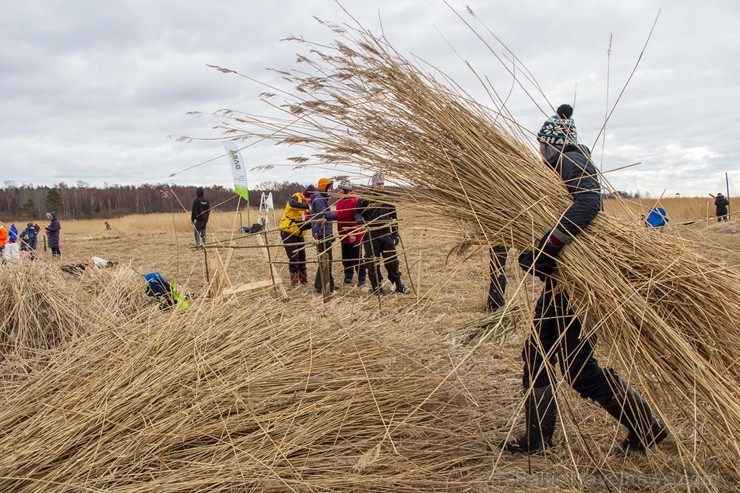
432 399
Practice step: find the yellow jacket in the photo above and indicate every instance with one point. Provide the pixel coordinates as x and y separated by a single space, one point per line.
293 216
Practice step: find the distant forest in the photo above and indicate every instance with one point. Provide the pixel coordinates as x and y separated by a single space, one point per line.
28 202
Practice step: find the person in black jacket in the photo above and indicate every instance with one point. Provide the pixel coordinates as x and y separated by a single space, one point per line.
380 241
720 207
557 334
199 216
52 233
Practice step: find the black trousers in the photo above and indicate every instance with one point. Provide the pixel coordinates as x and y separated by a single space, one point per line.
352 262
557 337
379 245
497 288
324 245
295 249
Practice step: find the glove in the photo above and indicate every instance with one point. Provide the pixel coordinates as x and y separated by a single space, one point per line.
543 268
396 239
541 262
360 220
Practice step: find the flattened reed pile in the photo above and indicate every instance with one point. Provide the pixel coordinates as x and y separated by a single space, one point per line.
42 307
668 316
243 397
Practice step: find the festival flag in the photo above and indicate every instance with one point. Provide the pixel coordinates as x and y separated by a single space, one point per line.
238 170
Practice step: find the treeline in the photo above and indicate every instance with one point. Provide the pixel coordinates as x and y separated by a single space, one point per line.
81 201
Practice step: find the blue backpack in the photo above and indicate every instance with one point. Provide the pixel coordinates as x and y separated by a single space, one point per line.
157 286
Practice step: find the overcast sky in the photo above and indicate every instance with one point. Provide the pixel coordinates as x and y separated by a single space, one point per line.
94 91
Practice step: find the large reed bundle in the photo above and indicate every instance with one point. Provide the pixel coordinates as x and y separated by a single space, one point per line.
668 315
244 397
38 309
43 307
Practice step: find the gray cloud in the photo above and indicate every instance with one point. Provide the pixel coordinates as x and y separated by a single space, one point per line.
92 91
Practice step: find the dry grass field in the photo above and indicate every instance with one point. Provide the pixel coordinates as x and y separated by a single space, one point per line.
261 393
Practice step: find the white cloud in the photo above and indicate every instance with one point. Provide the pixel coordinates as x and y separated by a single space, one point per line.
92 91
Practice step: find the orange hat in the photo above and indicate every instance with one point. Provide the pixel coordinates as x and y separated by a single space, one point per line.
325 183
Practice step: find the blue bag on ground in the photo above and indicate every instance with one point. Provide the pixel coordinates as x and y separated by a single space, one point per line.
157 286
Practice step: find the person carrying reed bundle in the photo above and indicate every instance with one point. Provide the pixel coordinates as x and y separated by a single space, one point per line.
557 332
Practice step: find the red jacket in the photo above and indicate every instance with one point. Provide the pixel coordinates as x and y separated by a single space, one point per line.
350 232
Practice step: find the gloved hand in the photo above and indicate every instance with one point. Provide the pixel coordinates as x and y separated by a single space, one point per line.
396 239
541 262
543 268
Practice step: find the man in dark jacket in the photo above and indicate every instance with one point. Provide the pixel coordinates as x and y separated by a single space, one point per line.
381 221
557 334
720 207
199 216
52 233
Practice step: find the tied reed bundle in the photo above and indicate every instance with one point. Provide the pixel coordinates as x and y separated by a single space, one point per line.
668 316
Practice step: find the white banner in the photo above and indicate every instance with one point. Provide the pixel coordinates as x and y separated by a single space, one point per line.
238 169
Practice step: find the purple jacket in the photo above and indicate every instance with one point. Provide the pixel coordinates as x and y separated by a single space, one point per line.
320 210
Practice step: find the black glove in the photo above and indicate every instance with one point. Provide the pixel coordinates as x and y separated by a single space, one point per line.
543 268
541 262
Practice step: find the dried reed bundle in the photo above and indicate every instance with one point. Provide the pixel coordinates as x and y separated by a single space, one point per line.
661 308
242 397
39 309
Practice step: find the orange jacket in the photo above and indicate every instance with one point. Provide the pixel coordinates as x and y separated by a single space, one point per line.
3 236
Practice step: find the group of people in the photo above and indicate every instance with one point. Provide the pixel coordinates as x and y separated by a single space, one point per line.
14 245
367 228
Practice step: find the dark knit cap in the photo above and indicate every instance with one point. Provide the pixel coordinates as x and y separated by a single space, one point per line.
559 130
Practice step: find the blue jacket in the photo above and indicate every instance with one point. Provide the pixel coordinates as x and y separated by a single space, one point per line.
28 238
320 210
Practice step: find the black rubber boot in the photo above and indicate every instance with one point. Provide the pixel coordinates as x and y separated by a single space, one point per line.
633 411
541 416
